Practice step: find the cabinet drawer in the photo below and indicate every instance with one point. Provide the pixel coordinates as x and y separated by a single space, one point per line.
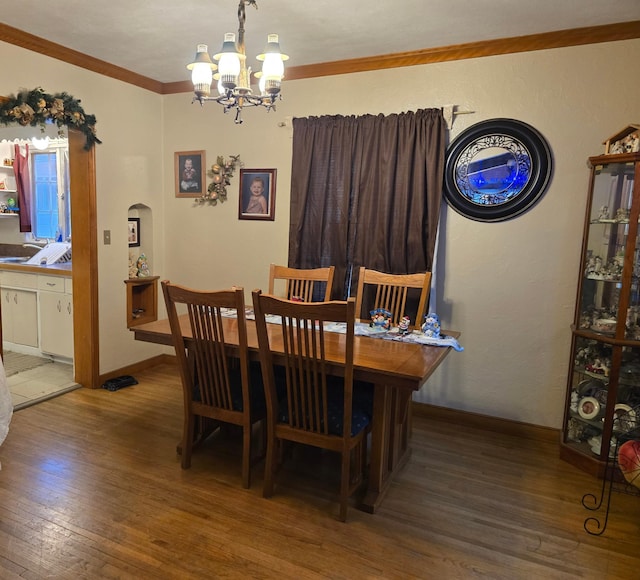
19 280
68 286
51 283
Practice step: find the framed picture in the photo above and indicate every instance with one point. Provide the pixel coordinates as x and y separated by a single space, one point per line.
257 194
190 173
134 232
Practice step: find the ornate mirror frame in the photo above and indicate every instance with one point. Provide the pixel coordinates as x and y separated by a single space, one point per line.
496 170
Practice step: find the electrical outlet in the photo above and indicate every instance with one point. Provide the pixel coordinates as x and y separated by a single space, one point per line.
107 237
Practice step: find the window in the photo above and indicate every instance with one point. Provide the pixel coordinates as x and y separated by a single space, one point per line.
50 186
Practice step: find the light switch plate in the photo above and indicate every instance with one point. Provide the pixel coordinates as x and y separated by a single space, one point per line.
106 237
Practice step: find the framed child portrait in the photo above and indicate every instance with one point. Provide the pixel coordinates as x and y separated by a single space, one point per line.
257 194
190 173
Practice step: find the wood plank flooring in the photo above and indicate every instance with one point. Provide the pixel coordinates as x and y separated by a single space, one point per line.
91 487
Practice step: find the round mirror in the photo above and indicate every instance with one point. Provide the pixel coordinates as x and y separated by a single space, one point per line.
496 170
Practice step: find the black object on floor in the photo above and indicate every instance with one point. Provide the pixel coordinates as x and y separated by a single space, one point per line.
118 383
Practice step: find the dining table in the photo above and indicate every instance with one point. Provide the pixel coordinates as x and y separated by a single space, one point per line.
395 368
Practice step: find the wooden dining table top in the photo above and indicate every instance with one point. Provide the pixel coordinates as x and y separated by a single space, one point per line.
402 364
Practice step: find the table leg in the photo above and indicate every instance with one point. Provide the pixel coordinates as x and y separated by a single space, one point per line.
389 443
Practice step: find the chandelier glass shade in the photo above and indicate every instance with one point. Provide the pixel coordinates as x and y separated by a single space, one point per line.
233 77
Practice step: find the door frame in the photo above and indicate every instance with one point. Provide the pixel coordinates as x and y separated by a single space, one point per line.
84 270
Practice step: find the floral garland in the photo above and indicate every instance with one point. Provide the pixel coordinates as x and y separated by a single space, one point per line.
37 108
221 172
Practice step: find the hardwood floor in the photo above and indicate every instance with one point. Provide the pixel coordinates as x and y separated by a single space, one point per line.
91 487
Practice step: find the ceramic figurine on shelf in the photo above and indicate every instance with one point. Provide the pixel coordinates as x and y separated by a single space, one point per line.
431 326
574 401
622 215
380 318
403 325
604 213
133 267
143 267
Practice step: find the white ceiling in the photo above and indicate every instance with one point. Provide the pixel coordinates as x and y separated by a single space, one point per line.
157 38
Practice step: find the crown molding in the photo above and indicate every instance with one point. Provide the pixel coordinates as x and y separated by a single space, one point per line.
59 52
543 41
532 42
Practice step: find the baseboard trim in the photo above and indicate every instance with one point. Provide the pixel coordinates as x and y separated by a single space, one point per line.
486 422
140 366
433 412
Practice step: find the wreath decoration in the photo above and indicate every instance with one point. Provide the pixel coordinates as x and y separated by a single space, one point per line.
221 173
36 108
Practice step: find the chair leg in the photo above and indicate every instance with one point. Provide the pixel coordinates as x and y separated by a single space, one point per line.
345 484
246 456
187 441
269 464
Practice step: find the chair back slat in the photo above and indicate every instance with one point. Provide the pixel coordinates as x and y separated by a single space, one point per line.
390 291
306 374
211 361
300 284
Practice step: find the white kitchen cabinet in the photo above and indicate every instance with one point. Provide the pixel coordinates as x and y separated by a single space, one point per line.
19 308
56 316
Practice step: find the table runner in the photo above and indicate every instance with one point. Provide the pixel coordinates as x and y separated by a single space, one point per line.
363 329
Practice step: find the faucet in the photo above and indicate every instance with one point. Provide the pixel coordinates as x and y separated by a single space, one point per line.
32 246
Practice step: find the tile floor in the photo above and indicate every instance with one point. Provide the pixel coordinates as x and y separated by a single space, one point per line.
41 383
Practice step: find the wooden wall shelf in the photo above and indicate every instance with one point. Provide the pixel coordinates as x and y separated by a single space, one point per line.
142 300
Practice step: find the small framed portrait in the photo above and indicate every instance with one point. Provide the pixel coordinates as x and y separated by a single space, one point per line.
190 173
257 194
134 232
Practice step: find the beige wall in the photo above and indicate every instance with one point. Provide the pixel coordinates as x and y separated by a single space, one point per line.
129 171
509 287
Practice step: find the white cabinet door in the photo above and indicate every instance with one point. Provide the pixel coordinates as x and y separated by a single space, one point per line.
20 316
56 323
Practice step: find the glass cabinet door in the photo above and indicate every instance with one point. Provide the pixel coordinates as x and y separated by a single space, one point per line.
590 381
608 243
594 388
626 412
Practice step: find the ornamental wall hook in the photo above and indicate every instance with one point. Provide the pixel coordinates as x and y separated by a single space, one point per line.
36 108
221 173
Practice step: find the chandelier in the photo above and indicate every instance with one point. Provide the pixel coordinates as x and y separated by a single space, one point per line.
233 76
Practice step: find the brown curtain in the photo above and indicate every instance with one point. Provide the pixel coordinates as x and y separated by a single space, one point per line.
23 185
366 191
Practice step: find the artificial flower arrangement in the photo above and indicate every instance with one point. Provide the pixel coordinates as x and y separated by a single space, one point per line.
221 173
36 108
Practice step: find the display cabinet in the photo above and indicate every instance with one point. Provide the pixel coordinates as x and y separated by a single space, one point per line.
603 392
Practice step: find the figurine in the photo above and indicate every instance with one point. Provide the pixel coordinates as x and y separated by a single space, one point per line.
574 401
403 325
622 215
380 318
143 267
133 268
604 213
631 143
431 326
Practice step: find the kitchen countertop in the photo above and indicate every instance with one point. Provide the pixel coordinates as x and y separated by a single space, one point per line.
53 269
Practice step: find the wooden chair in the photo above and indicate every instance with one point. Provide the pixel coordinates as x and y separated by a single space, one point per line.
214 385
301 283
318 409
391 293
